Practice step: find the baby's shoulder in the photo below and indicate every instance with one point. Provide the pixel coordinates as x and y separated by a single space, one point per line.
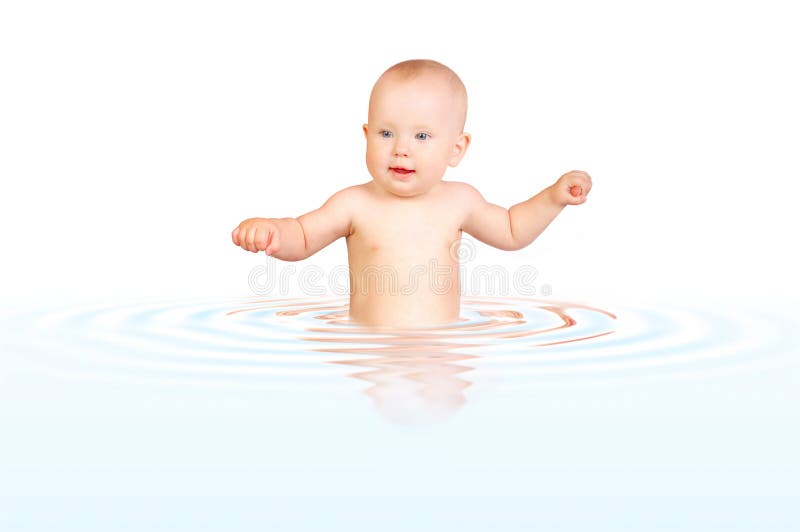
462 193
350 196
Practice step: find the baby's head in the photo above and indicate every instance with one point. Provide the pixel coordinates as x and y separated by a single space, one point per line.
415 128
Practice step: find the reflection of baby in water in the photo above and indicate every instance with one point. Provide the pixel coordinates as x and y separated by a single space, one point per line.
407 218
413 386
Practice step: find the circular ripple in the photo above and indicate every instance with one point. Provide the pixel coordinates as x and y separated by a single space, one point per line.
297 342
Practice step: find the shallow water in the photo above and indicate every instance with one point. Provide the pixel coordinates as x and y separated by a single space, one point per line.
257 414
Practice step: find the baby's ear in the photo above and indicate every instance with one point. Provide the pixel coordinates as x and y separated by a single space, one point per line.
459 149
365 127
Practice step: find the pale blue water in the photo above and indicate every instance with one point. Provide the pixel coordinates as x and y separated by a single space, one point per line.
251 414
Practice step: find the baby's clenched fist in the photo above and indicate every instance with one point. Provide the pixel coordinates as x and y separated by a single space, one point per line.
257 234
571 188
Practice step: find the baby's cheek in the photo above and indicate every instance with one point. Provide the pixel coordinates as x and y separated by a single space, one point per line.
374 163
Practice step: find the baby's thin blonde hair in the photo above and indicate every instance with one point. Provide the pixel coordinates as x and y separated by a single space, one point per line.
412 68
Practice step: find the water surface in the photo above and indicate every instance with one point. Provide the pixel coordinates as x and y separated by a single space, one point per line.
279 414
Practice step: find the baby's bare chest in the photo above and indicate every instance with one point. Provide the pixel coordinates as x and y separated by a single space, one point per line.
404 234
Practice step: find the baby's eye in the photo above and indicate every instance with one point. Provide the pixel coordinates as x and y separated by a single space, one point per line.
385 134
422 136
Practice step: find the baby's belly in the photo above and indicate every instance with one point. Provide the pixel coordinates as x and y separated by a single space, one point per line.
404 311
404 294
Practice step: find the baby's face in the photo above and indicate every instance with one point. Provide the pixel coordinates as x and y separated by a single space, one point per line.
414 133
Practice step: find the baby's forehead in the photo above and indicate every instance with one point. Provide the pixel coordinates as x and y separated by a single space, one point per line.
440 84
429 81
423 90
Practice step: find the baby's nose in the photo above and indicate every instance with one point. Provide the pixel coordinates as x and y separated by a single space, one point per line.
400 148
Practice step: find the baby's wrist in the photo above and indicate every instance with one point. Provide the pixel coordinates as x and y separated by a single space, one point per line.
554 197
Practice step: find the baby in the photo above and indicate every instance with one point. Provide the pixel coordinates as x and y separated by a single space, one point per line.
403 228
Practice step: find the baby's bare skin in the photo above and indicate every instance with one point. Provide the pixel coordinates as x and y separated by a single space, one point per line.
403 256
403 252
403 228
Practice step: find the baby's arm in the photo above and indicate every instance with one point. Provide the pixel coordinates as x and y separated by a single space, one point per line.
515 228
297 238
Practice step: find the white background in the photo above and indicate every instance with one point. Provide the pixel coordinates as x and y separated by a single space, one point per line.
135 135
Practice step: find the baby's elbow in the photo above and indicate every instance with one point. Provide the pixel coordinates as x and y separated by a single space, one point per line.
504 244
513 245
511 242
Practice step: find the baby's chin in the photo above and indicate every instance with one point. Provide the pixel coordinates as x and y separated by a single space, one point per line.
405 189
